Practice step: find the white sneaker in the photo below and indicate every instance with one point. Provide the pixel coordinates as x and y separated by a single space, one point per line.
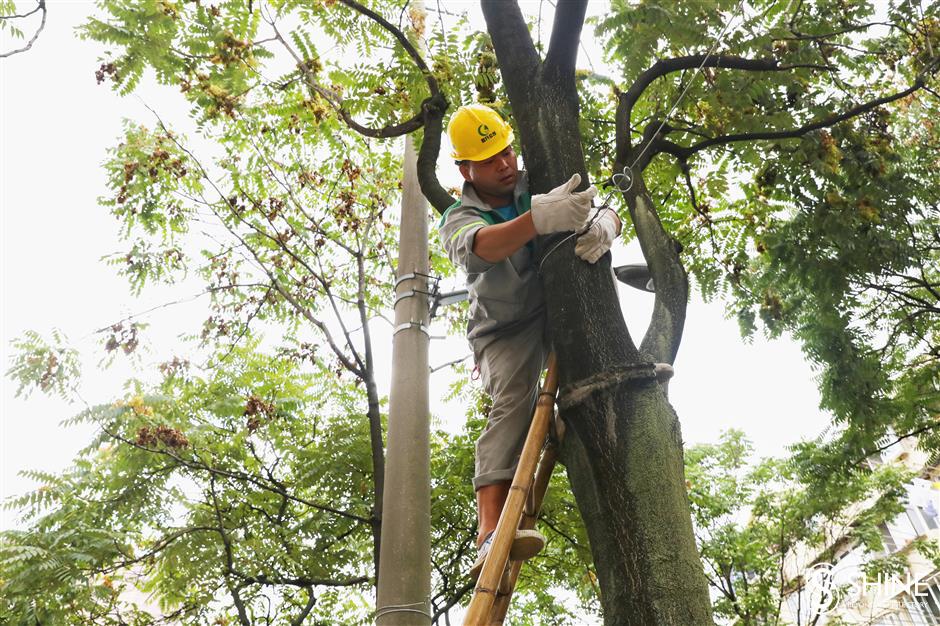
525 545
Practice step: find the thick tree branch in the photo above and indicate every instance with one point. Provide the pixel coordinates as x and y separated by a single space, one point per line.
402 39
663 67
511 38
433 109
566 36
652 134
41 5
336 101
544 105
243 618
684 152
667 66
661 251
396 130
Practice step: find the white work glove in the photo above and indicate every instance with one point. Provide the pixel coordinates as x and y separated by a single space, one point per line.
600 236
561 208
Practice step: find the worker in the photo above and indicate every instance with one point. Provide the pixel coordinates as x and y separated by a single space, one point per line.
490 234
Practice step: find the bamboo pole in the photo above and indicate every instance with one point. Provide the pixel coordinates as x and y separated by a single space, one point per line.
484 597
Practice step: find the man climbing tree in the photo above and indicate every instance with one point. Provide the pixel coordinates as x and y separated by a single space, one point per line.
489 233
625 460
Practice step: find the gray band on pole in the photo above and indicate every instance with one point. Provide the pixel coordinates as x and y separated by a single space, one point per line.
424 329
403 295
405 608
404 277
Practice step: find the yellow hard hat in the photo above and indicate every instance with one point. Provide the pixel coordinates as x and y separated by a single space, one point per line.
477 132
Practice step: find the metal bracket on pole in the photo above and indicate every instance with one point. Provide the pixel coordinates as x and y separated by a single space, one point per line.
424 329
410 293
412 275
403 278
432 294
443 299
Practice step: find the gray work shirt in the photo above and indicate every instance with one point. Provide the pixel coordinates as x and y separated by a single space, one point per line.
505 295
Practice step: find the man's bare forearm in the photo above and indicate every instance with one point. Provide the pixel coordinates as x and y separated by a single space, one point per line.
499 241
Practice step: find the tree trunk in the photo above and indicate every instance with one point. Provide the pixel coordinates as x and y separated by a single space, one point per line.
624 459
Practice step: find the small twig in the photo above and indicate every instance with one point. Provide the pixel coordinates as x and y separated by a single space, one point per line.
40 5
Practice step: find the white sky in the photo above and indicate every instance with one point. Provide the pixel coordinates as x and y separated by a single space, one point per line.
55 125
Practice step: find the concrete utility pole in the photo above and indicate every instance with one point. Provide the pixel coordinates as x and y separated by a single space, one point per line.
405 553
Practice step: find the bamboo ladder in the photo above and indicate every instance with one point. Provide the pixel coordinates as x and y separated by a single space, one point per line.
488 606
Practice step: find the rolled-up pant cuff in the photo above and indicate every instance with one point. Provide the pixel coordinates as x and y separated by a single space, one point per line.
491 478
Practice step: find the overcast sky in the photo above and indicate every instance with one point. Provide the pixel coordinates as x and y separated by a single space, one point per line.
55 126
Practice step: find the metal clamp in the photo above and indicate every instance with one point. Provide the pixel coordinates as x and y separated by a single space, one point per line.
412 275
433 286
410 293
403 278
424 329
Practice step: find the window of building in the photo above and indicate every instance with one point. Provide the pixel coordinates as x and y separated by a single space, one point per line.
890 545
927 603
893 619
920 520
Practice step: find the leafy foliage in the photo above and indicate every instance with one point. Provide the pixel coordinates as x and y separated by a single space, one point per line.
52 367
807 206
246 488
759 527
205 480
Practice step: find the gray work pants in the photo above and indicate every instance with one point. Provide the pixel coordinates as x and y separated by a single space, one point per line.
510 367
